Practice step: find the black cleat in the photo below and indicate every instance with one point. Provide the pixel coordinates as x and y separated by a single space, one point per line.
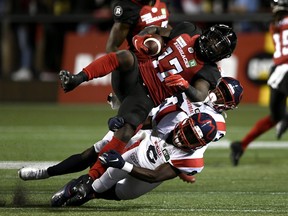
281 127
236 152
60 197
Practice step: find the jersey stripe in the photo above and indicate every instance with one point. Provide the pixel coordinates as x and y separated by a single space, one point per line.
221 126
165 111
193 162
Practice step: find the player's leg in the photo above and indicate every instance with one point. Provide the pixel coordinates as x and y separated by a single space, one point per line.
132 188
134 109
260 127
238 147
278 111
72 164
103 187
121 60
278 107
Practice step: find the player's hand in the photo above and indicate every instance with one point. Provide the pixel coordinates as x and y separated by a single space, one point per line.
176 80
138 42
187 178
115 123
70 81
112 159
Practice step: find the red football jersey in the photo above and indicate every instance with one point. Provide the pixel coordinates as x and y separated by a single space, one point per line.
279 32
179 57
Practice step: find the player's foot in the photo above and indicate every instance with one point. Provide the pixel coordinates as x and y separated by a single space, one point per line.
236 152
31 173
187 178
281 127
60 197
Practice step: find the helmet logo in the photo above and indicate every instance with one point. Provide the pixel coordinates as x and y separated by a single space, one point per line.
192 63
118 11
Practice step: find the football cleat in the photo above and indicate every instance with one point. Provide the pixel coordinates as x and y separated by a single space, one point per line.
60 197
236 152
281 127
31 173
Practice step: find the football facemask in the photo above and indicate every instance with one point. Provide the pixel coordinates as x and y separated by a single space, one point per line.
194 132
279 5
217 43
227 94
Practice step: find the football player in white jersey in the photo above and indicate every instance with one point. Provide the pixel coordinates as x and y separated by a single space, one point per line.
157 155
153 151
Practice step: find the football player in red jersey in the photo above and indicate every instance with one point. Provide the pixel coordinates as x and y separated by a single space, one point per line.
186 65
277 82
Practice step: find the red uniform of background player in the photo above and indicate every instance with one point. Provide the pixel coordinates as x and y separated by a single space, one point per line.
278 84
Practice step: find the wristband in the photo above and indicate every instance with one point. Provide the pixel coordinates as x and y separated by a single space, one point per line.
127 167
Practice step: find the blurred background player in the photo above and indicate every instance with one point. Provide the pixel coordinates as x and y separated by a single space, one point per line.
277 82
132 16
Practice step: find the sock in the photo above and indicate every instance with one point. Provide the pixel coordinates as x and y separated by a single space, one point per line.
101 66
259 128
72 164
98 169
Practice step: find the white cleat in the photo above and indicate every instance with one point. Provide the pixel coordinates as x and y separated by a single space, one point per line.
31 173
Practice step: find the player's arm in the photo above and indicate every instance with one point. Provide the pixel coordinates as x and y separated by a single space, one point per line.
161 173
199 91
196 92
117 36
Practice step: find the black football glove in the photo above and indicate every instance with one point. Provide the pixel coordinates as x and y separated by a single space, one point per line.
112 159
115 123
70 81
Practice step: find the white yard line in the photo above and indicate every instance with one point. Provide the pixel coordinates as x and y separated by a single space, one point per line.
20 164
257 144
217 145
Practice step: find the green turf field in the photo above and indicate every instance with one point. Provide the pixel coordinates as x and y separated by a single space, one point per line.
49 132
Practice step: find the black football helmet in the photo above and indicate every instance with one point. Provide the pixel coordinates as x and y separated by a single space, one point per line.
279 5
194 132
218 42
227 94
144 2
